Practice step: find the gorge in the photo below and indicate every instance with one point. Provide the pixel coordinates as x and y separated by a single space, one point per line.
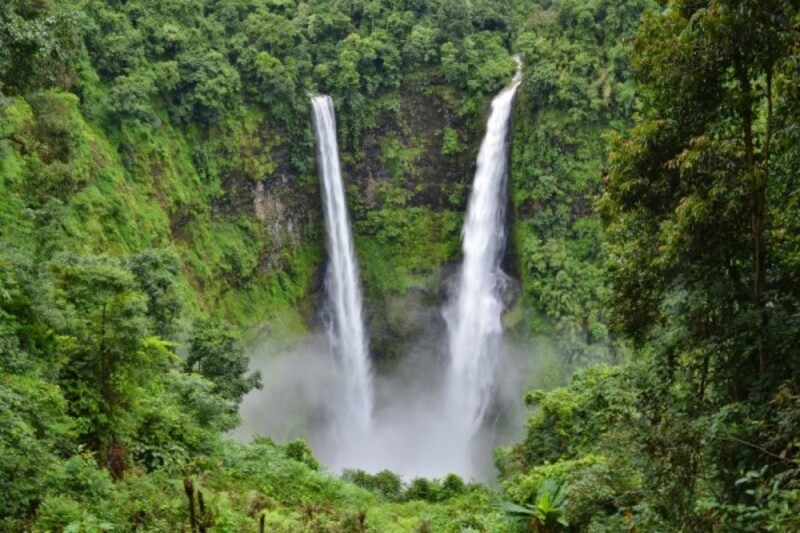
331 266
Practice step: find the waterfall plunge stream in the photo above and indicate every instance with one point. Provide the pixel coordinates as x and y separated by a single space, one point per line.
346 330
474 313
423 418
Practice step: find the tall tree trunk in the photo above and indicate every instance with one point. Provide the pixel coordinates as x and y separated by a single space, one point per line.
188 487
761 243
203 522
757 206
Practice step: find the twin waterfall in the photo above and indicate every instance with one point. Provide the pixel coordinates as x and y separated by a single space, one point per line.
346 332
473 315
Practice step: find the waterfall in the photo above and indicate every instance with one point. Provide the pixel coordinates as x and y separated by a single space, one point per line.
425 423
346 332
475 309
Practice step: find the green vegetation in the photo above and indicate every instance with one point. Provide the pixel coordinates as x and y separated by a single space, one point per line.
577 86
157 176
159 199
699 432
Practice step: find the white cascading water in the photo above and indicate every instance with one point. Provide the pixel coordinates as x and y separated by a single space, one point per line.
422 425
346 332
475 310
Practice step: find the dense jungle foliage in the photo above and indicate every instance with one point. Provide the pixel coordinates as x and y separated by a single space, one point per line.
699 200
158 201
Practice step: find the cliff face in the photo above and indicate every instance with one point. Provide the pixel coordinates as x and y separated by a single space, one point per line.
236 204
408 184
225 200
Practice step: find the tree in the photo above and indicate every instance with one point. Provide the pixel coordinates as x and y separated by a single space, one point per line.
576 85
38 42
215 354
131 97
34 432
699 159
209 86
105 351
690 227
453 18
155 272
420 47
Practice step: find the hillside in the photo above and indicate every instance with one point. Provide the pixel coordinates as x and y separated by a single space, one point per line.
162 237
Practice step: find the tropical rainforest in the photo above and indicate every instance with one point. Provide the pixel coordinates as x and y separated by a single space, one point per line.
160 215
